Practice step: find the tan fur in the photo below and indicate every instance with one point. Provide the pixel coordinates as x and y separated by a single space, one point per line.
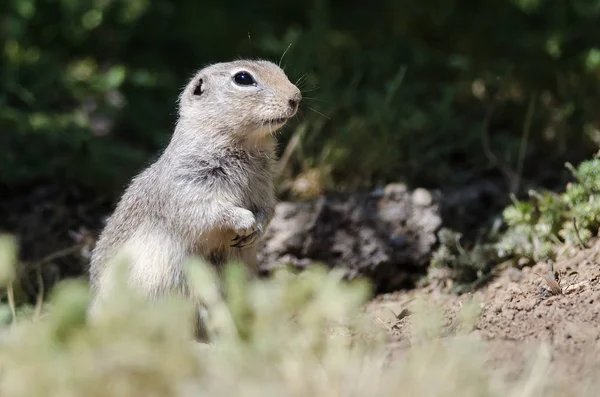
212 183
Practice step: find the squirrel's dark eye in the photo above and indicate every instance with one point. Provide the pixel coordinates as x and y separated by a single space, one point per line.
244 78
198 89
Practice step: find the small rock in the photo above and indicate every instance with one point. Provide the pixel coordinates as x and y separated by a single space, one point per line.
575 287
523 262
394 190
421 197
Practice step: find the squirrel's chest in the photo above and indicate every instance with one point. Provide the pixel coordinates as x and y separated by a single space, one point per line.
243 173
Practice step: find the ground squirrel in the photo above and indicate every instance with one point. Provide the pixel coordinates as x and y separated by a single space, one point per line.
210 193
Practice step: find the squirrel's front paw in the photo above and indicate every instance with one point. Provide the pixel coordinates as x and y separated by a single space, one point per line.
241 241
243 222
247 241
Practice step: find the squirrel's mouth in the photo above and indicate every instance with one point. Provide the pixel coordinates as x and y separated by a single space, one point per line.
281 120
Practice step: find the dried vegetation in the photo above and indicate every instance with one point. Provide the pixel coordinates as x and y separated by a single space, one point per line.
293 334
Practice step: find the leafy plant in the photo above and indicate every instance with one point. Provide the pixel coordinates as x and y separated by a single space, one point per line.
465 268
532 230
535 227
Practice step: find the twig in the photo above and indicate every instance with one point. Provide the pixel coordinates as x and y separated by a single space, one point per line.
459 247
581 243
11 303
39 301
554 287
384 324
289 149
38 265
59 254
524 140
588 189
509 175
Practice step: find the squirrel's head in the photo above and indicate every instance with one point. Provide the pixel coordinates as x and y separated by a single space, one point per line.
240 97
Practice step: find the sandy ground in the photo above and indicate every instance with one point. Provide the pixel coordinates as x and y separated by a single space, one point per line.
520 313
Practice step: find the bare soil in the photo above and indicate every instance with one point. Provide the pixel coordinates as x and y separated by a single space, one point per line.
519 313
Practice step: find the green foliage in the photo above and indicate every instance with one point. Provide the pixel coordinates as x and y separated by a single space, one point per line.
533 230
465 267
89 86
573 217
61 84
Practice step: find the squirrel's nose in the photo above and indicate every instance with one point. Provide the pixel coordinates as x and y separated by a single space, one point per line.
295 101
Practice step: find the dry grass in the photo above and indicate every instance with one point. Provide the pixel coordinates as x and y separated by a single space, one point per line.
290 335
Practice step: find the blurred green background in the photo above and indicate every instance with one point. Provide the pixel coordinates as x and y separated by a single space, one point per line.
434 93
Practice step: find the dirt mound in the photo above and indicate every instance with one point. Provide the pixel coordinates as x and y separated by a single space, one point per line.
386 235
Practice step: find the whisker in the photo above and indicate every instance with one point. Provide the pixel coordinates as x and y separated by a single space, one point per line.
305 75
297 116
316 99
311 89
317 112
303 86
286 50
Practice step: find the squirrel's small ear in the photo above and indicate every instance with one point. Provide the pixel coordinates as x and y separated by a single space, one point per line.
198 90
